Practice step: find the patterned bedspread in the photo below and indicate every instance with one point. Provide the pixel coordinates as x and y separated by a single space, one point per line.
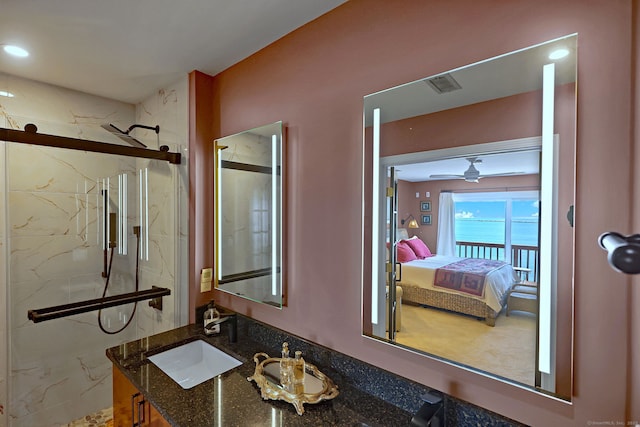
467 275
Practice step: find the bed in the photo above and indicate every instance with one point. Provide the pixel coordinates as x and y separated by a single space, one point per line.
420 270
417 282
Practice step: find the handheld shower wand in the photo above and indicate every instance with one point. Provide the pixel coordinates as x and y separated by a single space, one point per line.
112 245
110 227
113 226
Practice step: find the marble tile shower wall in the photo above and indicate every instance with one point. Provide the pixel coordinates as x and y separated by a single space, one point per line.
57 370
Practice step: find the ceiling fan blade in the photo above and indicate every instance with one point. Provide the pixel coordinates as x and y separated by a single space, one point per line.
446 176
489 175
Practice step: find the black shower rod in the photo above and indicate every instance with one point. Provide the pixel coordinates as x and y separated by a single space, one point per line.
30 136
64 310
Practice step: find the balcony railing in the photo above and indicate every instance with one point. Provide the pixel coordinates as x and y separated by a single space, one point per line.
524 258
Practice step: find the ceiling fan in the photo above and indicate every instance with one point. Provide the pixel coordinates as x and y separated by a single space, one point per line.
472 174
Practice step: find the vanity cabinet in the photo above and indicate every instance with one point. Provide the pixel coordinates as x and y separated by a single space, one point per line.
130 408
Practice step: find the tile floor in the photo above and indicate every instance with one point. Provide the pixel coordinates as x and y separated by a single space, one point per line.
103 418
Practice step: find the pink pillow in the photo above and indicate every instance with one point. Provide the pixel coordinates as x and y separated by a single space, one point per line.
419 248
404 251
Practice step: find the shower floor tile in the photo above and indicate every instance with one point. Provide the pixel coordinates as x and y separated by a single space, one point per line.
103 418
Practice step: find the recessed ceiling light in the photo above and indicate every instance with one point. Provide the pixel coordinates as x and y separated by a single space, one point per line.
559 53
15 51
7 94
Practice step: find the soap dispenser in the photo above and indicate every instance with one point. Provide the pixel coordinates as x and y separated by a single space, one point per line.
298 368
211 315
286 371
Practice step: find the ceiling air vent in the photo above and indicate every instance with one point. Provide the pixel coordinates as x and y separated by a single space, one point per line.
443 83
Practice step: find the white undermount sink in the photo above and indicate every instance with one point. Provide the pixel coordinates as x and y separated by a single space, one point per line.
194 363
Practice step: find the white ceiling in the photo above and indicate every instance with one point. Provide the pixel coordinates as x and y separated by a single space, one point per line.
520 162
127 49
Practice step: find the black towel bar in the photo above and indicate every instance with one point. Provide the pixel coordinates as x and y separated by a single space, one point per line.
64 310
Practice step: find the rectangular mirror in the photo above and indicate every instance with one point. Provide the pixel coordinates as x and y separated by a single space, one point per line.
248 214
468 246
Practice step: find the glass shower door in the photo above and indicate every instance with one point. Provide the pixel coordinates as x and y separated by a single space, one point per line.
64 208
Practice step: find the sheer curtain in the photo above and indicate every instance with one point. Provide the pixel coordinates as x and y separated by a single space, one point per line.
446 226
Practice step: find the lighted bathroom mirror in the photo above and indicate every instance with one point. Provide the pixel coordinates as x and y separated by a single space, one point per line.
248 214
483 159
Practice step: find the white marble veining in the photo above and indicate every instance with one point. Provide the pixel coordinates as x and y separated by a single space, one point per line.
59 111
66 214
47 169
51 242
45 257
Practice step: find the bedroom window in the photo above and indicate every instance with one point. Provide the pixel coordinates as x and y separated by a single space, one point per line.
501 226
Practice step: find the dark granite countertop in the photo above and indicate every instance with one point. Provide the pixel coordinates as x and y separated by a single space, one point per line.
231 400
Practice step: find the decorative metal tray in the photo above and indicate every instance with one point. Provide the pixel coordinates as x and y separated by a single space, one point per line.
316 386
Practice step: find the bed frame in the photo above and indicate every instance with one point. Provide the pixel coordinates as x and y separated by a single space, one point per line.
448 301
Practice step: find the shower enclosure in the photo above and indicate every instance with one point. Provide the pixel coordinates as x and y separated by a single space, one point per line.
71 221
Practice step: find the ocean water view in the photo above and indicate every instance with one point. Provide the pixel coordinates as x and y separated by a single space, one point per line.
524 231
483 221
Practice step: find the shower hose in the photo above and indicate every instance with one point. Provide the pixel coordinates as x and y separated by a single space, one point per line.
136 231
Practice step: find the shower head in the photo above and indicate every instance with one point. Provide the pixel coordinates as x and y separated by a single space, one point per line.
124 135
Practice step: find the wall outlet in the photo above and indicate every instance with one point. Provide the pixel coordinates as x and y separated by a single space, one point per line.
205 279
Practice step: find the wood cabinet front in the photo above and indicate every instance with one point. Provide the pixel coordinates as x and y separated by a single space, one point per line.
130 408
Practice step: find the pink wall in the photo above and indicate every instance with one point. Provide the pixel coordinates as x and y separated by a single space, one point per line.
203 126
315 78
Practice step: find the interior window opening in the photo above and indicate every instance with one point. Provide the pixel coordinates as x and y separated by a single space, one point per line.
499 226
